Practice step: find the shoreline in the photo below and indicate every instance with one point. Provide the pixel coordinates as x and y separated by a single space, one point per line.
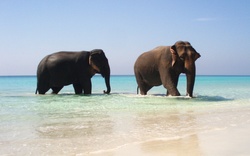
214 142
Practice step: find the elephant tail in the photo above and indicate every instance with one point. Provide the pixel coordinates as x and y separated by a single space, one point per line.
36 91
137 89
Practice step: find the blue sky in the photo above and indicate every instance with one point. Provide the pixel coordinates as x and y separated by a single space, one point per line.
218 29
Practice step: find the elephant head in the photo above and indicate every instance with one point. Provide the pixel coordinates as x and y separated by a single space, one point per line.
99 63
183 58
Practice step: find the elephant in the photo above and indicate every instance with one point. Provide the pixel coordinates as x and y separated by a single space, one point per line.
64 68
163 65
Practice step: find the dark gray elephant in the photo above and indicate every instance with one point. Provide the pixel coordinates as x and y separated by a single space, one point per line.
163 65
63 68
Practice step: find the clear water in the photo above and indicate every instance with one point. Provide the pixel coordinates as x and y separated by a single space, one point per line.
68 124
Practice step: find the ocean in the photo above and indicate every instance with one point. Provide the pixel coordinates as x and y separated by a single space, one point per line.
215 122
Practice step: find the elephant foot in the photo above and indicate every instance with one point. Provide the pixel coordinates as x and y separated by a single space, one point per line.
173 94
189 95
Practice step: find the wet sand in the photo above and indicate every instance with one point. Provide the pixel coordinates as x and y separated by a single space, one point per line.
229 142
213 132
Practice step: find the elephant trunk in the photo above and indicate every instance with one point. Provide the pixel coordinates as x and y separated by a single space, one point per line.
190 74
107 80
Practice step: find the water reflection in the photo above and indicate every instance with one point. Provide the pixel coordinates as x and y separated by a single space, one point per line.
212 98
174 132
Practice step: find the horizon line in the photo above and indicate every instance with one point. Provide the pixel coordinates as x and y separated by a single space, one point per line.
183 74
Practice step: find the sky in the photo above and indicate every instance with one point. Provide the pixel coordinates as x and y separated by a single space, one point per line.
218 29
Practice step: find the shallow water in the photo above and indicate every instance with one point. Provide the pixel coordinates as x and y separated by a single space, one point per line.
68 124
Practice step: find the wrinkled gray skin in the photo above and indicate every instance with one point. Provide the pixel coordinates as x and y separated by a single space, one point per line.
163 65
64 68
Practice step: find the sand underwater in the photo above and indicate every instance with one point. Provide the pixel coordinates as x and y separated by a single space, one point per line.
215 122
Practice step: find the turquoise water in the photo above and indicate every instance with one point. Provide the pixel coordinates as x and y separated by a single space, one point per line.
68 124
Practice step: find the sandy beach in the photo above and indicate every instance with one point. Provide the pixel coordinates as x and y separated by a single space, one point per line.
230 142
231 138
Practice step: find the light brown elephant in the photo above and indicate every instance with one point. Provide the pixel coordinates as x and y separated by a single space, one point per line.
163 65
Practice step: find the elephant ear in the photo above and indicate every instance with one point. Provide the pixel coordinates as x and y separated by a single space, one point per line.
174 54
197 55
94 59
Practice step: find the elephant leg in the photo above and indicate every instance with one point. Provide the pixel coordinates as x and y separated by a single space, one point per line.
169 81
87 87
175 79
55 90
77 88
144 88
42 88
